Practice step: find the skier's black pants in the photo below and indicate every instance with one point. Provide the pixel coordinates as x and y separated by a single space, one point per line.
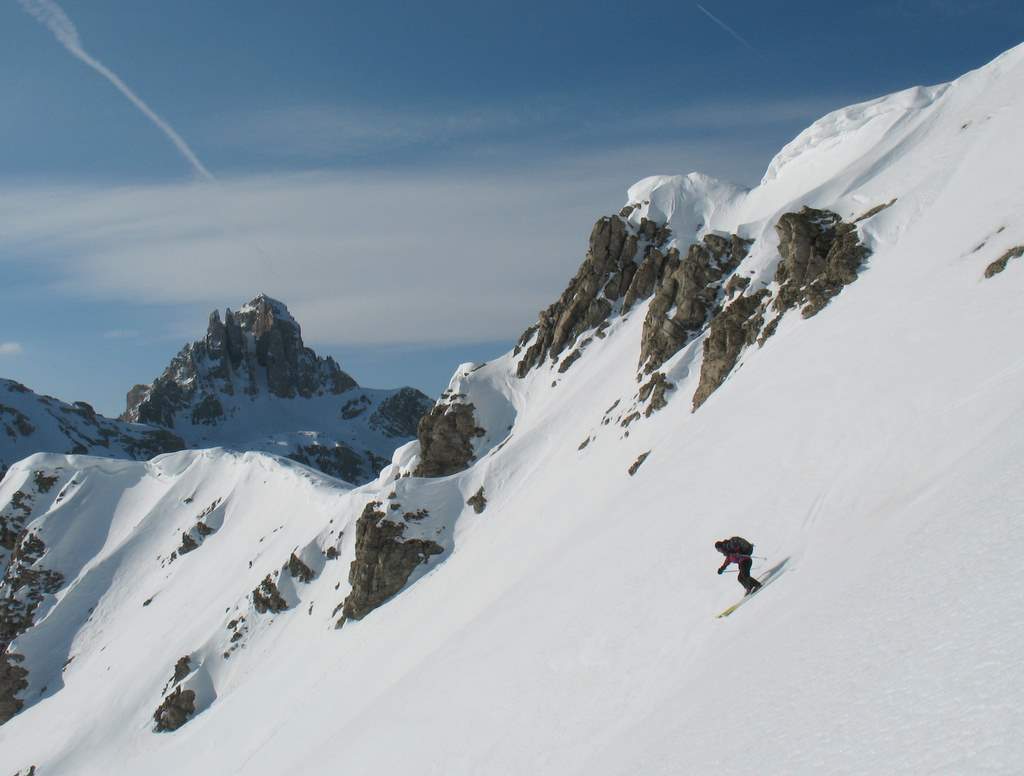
749 583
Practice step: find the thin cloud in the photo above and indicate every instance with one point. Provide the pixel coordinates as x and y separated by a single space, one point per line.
367 258
318 133
725 27
52 16
11 349
120 334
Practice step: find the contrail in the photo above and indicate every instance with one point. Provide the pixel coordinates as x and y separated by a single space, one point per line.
52 16
721 24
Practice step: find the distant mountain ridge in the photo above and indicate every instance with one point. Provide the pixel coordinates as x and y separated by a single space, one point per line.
249 384
258 350
32 423
252 384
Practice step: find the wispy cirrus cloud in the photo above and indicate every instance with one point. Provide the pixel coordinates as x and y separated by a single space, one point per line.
11 349
120 334
369 258
321 132
424 254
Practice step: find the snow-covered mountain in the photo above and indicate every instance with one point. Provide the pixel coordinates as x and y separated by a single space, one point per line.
30 422
252 384
828 364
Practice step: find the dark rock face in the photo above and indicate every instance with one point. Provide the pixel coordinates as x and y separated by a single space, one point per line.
999 264
14 422
610 273
261 339
635 466
299 570
383 562
691 288
176 709
181 669
730 332
820 255
24 586
445 436
13 679
655 390
478 501
340 460
267 598
399 414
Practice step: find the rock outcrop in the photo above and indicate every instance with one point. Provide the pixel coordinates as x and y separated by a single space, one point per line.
478 501
690 291
267 598
446 436
257 349
999 264
623 263
299 570
820 253
13 679
399 414
23 587
730 332
341 461
383 562
175 710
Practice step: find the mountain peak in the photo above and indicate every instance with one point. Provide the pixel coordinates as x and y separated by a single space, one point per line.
256 351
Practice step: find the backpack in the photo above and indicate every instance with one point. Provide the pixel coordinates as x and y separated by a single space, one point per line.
741 546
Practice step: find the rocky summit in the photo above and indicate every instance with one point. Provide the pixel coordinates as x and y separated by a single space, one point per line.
252 384
258 350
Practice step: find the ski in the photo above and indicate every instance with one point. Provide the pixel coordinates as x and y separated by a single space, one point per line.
768 577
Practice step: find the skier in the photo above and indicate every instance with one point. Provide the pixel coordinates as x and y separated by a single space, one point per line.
738 550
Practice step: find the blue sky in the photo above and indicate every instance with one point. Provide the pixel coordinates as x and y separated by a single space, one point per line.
415 180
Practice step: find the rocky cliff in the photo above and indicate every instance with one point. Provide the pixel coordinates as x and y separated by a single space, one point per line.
251 383
256 351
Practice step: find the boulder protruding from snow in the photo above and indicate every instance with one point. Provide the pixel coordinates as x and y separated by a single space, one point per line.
175 710
446 436
383 562
267 597
820 253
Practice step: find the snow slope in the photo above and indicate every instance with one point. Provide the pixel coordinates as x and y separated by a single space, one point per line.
874 449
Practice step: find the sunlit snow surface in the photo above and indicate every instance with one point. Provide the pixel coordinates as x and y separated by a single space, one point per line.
570 628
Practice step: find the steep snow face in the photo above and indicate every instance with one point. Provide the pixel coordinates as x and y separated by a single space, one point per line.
871 453
30 423
252 384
